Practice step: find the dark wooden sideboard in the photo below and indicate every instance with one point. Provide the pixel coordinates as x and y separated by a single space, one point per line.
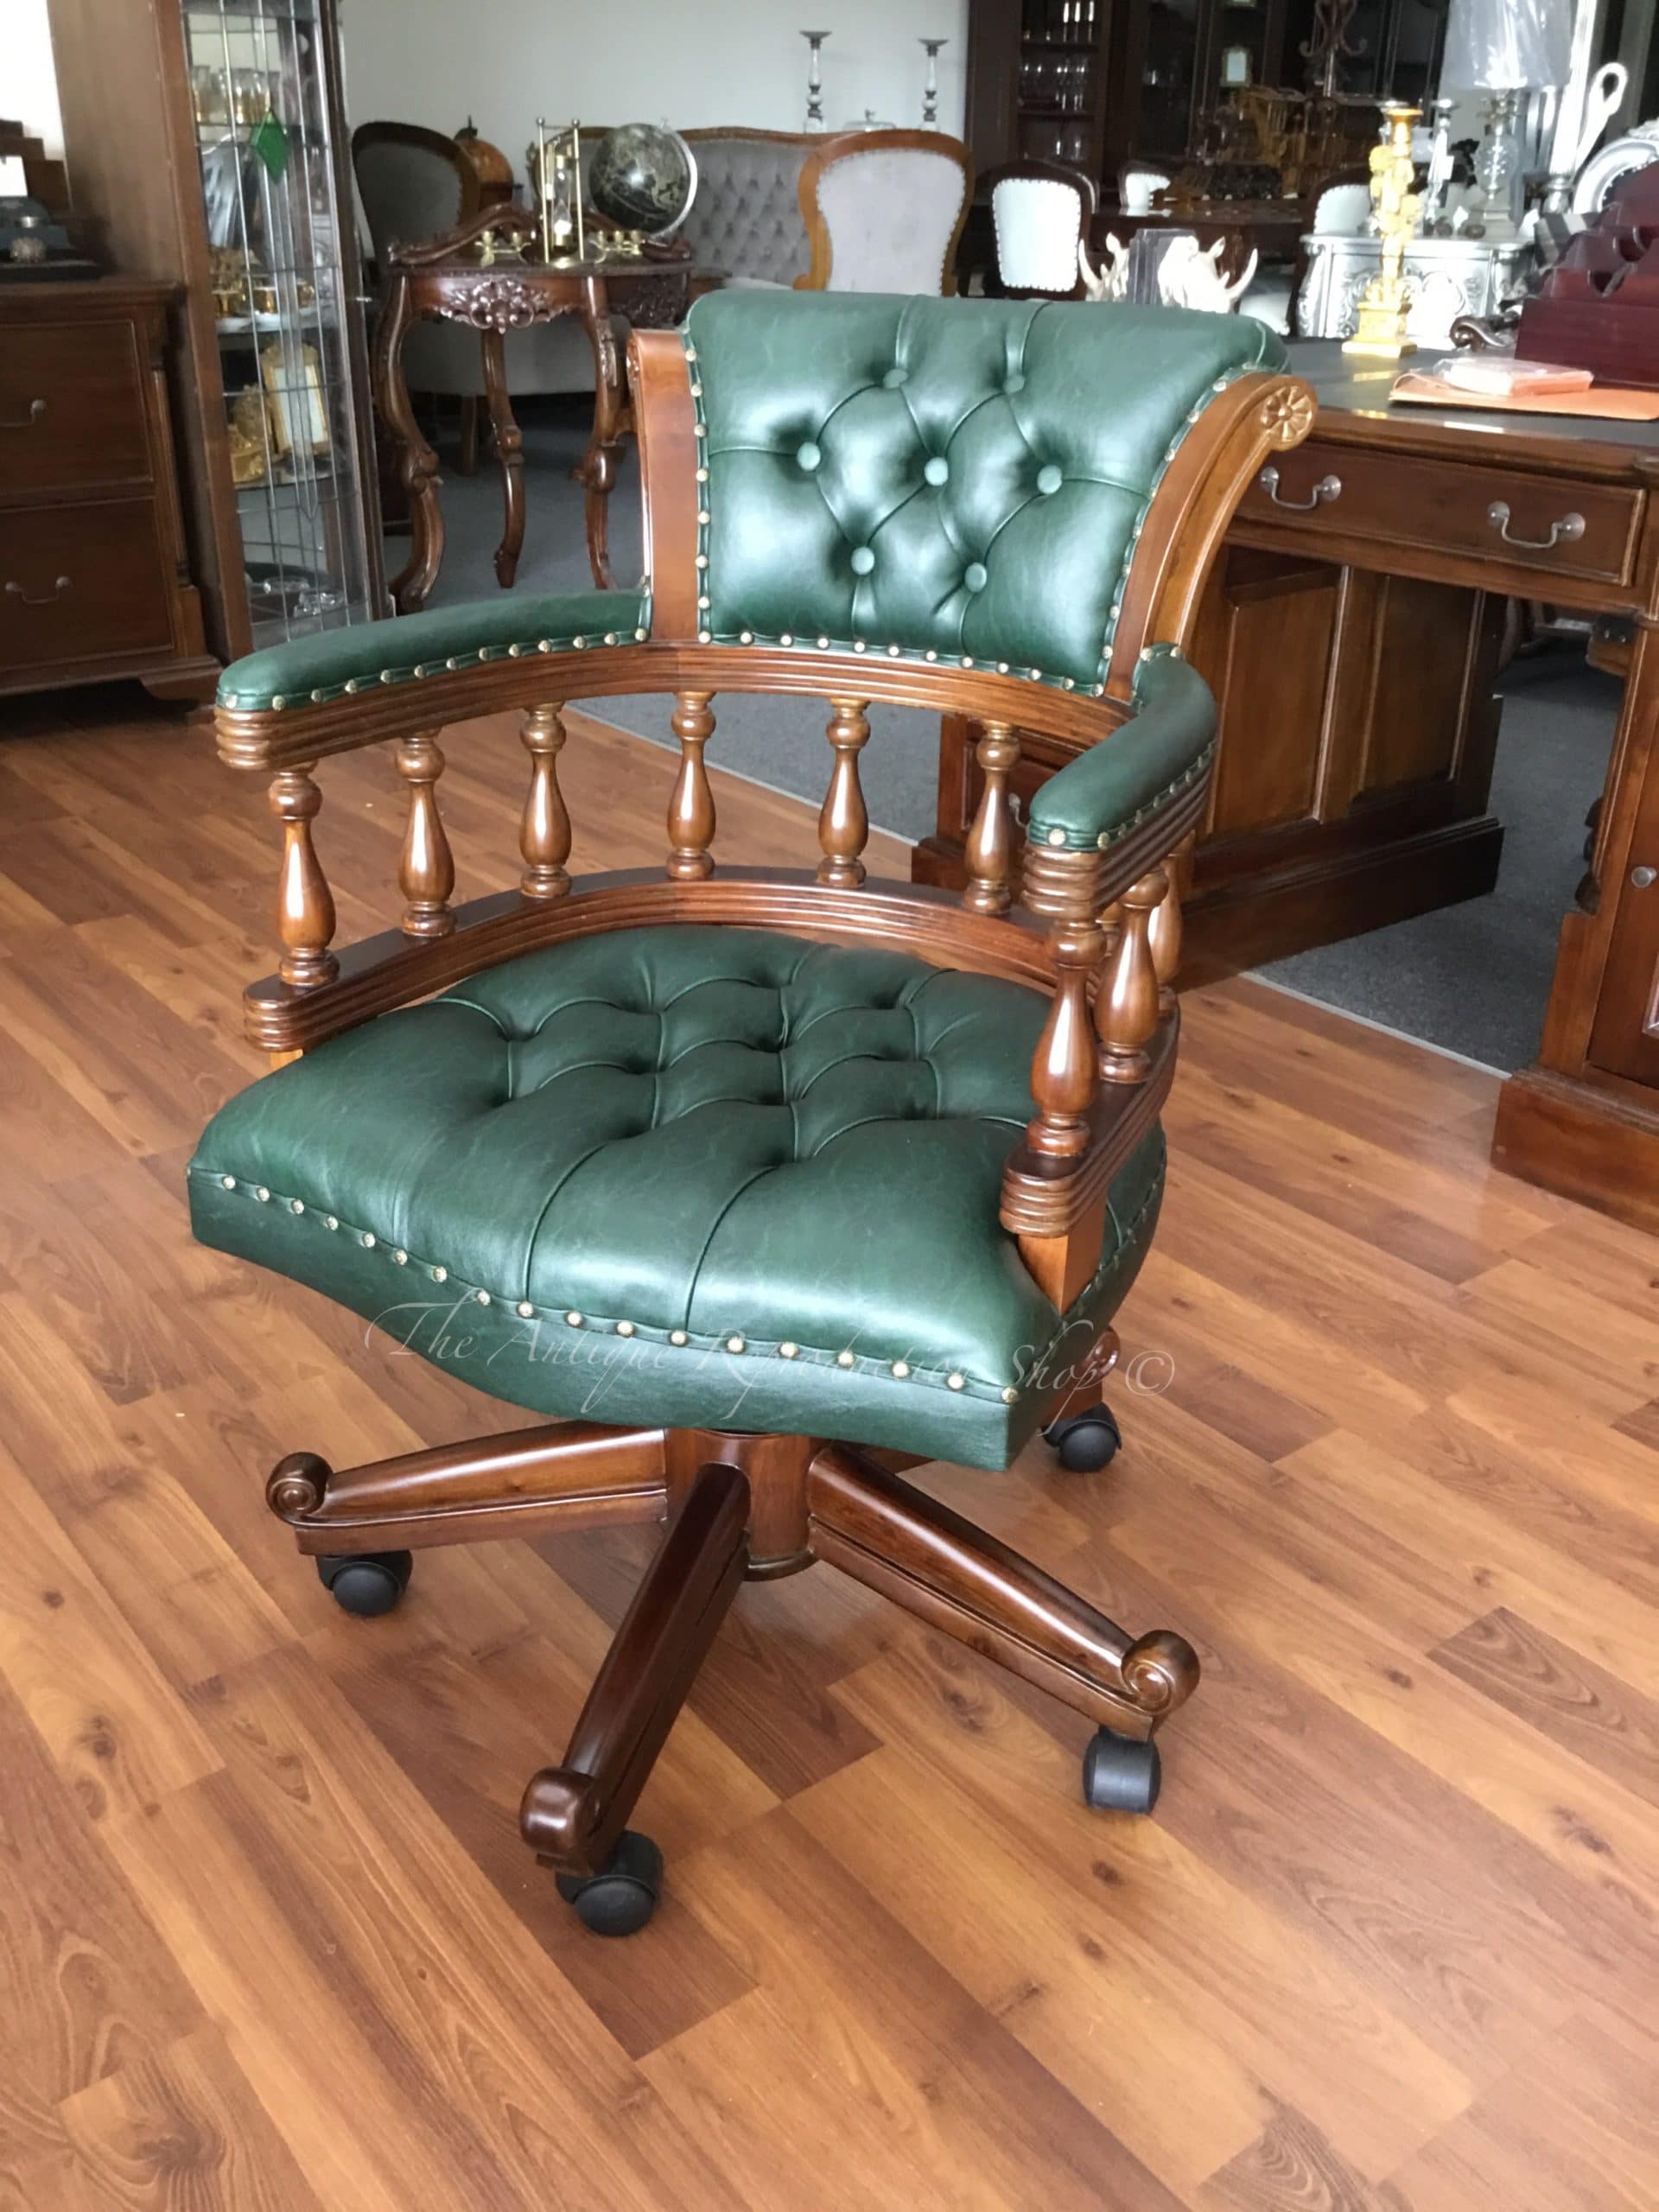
1352 636
94 579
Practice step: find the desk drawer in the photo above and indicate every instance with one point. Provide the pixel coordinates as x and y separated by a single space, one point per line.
1447 507
72 407
87 582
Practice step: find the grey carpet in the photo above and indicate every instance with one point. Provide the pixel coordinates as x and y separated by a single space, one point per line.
1472 978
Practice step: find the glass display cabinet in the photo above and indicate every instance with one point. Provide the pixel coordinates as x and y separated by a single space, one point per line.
208 140
283 322
1061 53
1098 83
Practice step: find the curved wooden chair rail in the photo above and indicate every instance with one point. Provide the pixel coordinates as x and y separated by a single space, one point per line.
1099 931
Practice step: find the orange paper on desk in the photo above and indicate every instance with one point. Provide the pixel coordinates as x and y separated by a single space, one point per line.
1603 402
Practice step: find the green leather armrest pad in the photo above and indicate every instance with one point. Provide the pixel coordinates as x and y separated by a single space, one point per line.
307 671
1099 798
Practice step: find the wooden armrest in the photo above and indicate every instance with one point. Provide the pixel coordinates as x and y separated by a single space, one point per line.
399 655
1164 745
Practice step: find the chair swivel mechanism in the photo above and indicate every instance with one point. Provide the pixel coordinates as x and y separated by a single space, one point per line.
760 1189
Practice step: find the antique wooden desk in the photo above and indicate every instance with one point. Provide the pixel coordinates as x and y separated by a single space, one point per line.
446 278
1351 631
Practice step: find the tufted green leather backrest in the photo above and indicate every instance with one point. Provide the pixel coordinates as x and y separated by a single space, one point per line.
941 478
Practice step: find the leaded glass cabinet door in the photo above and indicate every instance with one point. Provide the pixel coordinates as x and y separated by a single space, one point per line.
264 94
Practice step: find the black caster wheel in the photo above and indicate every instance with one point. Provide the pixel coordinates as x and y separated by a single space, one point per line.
1119 1774
620 1898
366 1583
1087 1441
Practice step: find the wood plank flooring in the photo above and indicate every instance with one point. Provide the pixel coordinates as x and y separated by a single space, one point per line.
269 1940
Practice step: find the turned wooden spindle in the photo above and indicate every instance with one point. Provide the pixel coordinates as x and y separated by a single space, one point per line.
843 821
1064 1073
545 826
1127 1003
990 841
691 810
426 871
1164 930
305 907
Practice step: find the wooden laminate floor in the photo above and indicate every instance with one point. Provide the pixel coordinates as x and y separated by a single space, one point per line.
268 1938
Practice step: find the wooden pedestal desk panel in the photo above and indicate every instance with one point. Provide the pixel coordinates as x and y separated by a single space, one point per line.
1446 506
94 576
72 416
1626 1036
80 585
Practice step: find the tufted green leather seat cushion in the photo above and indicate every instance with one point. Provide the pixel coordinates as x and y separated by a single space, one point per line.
688 1176
946 477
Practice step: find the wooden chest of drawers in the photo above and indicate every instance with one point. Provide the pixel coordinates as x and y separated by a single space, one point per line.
94 578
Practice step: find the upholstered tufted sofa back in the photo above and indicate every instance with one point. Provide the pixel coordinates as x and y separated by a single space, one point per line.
940 480
746 216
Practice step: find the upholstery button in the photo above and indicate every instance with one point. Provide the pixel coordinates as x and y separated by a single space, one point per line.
894 378
863 560
974 576
938 469
1012 384
1049 478
808 454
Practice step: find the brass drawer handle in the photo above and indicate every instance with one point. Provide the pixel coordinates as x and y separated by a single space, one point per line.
17 591
1563 532
1327 488
36 409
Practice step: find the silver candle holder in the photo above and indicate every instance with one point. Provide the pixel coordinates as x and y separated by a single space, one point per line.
931 89
815 79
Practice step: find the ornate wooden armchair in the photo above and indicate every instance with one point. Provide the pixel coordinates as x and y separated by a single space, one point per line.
767 1187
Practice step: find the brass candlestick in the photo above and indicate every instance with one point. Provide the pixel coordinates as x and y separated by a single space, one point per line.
1381 331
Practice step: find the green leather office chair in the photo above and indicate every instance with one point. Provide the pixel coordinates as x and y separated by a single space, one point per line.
795 1180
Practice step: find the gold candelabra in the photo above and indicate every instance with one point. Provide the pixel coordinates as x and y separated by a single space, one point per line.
1381 331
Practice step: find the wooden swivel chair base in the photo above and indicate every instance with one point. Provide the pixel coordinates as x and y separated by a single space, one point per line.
739 1508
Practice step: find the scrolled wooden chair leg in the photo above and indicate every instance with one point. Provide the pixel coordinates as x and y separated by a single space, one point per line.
568 1474
953 1575
573 1816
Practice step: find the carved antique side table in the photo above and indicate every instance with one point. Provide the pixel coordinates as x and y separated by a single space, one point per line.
471 275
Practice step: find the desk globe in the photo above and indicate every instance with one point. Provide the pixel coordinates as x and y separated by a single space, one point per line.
644 178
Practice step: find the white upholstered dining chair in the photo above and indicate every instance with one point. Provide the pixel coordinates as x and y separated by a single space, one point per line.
1040 213
884 210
